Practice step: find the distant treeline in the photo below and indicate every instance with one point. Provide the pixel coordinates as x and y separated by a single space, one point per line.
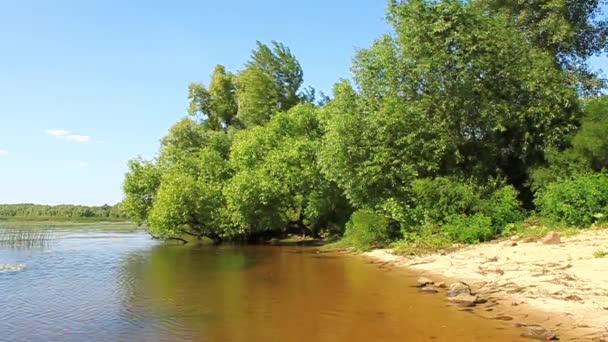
77 212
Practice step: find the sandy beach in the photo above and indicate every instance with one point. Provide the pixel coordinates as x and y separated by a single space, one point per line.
562 286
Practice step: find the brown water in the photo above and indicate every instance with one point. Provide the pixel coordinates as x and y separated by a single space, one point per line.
122 286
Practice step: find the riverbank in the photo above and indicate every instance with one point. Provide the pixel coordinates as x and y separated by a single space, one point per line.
561 286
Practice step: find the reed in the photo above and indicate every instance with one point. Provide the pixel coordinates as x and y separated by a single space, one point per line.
25 238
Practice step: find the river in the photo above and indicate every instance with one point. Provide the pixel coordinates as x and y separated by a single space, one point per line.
119 285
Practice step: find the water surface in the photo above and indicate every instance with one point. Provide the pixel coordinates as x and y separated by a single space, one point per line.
117 285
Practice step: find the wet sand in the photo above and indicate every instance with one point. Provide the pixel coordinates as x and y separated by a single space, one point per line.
562 287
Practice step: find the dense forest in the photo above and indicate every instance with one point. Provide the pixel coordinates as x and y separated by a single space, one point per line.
61 212
464 121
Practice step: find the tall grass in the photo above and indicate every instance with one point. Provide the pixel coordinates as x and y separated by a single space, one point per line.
25 238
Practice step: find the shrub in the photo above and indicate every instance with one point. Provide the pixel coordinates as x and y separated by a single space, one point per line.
469 229
367 229
426 241
435 202
503 208
600 253
580 201
537 227
436 199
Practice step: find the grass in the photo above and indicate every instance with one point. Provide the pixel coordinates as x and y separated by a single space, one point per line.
600 253
415 245
25 238
337 245
535 227
432 242
38 234
423 244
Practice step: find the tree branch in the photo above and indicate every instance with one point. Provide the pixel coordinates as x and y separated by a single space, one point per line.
155 237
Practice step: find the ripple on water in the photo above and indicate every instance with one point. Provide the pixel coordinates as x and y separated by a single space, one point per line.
8 268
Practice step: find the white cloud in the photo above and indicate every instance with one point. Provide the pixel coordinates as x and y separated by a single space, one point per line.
3 152
78 138
62 134
83 164
57 132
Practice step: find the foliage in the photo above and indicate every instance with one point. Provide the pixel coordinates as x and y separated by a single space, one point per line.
590 141
215 179
367 229
277 181
585 152
503 207
424 242
439 198
190 196
186 205
139 187
449 123
580 201
571 31
537 227
469 229
434 202
600 253
368 155
561 165
184 138
269 83
455 92
217 106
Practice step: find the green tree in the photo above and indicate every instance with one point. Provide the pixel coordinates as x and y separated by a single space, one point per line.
269 83
139 187
570 30
278 183
216 106
185 139
223 96
590 141
585 152
186 205
456 91
189 199
371 155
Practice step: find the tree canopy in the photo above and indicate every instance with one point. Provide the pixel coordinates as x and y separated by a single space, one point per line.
448 126
455 91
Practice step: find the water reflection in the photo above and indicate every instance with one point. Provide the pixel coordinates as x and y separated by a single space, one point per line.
284 294
183 290
112 286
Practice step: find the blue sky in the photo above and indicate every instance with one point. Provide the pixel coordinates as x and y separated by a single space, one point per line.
87 85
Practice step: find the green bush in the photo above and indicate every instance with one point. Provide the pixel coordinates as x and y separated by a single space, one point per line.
436 199
503 208
427 241
469 229
580 201
367 230
436 202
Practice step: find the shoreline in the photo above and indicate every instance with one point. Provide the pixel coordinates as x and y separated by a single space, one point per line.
562 287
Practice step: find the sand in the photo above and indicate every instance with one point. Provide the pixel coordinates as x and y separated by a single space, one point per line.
562 287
